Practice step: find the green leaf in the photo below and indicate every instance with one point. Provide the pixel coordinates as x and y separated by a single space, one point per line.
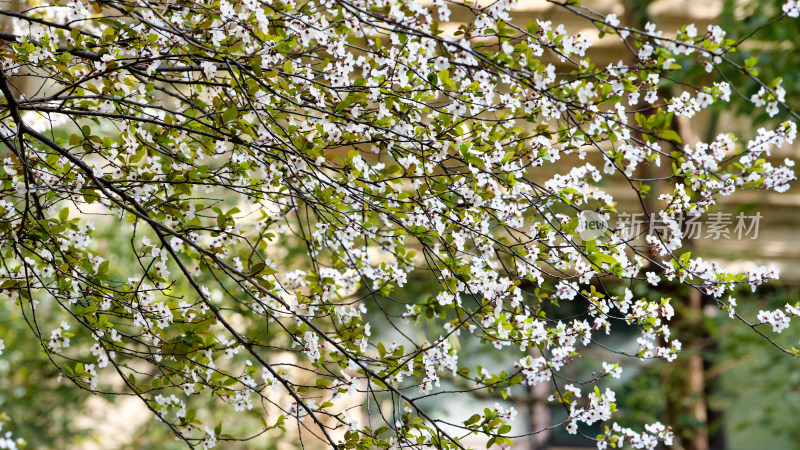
474 419
257 268
230 114
670 135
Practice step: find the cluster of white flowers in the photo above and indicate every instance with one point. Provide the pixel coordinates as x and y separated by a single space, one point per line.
598 407
792 8
59 338
778 319
769 97
655 435
7 441
102 354
379 151
440 356
761 274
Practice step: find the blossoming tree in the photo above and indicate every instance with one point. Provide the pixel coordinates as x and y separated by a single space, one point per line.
385 140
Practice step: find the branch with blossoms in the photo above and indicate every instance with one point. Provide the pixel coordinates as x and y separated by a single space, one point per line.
380 145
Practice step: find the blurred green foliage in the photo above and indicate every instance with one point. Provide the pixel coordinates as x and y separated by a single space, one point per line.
775 46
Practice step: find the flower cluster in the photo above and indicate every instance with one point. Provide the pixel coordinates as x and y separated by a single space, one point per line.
286 175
